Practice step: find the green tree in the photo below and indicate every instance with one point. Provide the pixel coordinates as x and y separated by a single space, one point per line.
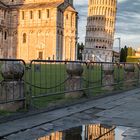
125 53
122 55
80 48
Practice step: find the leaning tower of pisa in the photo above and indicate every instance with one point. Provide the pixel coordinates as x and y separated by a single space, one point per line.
100 30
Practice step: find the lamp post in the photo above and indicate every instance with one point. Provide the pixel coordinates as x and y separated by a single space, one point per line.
119 39
76 48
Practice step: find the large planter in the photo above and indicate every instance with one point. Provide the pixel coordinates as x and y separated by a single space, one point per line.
108 69
74 69
108 77
74 83
129 75
12 70
129 67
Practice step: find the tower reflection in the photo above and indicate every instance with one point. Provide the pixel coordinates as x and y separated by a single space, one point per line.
85 132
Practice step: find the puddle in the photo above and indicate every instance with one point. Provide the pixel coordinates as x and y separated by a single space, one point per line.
88 132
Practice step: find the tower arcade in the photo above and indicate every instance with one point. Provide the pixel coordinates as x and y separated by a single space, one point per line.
100 30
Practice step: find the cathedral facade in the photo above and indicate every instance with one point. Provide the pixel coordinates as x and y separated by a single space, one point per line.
38 29
100 30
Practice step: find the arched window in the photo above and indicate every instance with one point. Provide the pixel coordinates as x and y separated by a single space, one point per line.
48 13
5 35
31 14
23 15
67 16
24 38
39 14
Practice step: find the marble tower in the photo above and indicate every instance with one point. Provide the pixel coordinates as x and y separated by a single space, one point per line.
100 30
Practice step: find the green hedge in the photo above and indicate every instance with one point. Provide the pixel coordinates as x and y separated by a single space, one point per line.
133 59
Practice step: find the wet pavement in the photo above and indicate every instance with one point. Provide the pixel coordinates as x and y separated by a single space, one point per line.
119 113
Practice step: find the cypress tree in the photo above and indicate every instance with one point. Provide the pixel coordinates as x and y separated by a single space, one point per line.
122 55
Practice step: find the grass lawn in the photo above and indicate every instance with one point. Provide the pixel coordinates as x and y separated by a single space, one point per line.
51 77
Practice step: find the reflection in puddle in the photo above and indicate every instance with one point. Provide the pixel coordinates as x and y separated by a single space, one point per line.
88 132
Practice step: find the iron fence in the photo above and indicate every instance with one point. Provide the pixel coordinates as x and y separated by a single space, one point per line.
47 81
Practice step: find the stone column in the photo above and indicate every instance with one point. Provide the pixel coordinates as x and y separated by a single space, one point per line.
108 76
129 75
12 87
74 82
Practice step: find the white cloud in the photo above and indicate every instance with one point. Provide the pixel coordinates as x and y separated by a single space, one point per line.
85 2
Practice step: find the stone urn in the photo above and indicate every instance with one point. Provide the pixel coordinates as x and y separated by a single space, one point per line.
108 69
74 83
129 67
74 69
129 75
108 77
12 70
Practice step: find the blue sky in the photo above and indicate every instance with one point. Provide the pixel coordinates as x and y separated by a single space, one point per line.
127 24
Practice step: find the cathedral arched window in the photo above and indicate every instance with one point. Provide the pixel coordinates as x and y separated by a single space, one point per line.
24 38
4 14
5 35
31 14
48 13
39 14
67 16
23 15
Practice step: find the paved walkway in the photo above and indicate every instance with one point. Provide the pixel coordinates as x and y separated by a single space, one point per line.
121 110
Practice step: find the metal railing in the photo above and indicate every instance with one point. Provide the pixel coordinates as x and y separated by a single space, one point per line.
49 79
46 81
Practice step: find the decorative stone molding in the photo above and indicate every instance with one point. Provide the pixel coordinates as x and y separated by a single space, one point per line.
74 82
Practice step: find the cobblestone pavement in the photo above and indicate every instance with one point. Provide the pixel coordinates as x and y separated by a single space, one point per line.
120 110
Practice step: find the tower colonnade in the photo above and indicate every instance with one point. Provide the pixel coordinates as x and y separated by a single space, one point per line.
101 2
100 29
